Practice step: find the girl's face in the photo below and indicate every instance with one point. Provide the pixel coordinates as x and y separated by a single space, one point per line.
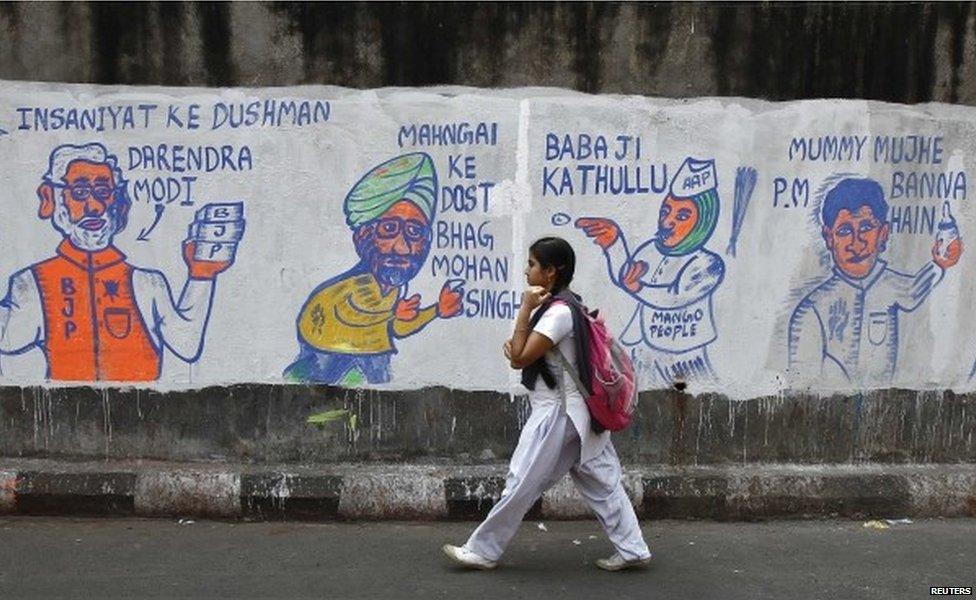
536 274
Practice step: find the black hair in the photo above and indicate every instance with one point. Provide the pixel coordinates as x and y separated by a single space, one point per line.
852 194
555 252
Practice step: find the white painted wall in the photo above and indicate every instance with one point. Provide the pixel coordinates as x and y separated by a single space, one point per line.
296 237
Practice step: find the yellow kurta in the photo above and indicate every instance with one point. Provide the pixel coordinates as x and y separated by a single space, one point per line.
352 316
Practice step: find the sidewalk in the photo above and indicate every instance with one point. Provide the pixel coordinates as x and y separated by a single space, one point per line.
433 492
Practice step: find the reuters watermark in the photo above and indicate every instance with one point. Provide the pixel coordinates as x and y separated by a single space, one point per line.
950 591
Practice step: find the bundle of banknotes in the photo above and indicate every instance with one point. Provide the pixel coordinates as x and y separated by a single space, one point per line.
216 230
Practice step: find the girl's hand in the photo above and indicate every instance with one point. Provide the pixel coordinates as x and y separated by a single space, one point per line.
534 296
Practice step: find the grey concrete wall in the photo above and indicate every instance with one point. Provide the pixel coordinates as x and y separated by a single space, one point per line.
267 424
899 52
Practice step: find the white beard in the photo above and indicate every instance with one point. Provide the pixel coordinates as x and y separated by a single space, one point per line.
83 239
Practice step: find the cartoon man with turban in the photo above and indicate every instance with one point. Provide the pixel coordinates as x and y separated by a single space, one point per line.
672 325
347 326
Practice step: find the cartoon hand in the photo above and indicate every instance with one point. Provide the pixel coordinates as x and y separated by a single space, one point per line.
407 308
603 231
632 274
837 321
202 269
953 252
449 302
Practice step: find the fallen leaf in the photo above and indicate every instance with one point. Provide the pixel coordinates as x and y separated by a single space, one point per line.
327 416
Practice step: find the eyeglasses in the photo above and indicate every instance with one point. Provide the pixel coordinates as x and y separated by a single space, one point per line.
389 227
82 191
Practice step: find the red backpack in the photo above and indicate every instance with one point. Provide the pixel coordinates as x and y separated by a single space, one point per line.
612 376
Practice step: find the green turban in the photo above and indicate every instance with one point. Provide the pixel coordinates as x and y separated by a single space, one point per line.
409 177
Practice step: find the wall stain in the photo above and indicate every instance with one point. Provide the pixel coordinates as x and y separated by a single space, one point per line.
328 33
658 23
10 13
958 17
484 38
120 53
882 52
215 32
419 41
172 20
679 415
589 20
774 51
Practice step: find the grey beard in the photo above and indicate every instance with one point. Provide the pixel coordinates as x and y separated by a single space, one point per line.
89 241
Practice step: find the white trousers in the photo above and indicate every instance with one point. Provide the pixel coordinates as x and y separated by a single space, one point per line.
543 456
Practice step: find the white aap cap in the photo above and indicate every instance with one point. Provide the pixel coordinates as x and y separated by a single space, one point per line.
693 178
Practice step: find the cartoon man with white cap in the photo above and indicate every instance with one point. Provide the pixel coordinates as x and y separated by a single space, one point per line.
672 325
347 326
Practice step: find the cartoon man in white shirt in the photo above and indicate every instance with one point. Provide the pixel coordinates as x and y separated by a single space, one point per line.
672 325
847 327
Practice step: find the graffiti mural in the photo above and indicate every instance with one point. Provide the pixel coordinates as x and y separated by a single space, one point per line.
848 326
347 326
671 275
735 246
91 313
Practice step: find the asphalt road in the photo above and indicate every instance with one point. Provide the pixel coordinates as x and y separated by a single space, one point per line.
132 558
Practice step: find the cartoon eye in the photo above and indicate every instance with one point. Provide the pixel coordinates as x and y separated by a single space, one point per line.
665 210
388 228
414 231
684 215
80 192
865 227
845 229
102 192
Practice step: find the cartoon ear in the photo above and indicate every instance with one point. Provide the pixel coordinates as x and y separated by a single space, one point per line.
883 237
45 193
361 232
827 236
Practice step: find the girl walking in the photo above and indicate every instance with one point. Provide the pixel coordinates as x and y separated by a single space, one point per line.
558 436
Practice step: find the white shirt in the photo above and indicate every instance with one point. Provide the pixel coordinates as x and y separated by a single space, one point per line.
674 313
848 328
557 325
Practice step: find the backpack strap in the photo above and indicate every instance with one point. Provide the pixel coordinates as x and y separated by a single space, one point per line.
565 363
572 373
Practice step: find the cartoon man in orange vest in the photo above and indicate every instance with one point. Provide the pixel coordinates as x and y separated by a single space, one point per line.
95 316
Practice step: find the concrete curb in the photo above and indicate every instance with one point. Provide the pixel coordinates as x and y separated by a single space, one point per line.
410 491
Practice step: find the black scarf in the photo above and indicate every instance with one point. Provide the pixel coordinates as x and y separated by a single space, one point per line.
581 336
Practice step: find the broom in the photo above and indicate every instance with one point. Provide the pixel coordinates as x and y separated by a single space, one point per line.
745 183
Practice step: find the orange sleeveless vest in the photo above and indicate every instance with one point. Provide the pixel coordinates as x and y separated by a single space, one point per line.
93 328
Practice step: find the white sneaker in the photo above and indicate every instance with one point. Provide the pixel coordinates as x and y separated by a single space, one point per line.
467 558
619 563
